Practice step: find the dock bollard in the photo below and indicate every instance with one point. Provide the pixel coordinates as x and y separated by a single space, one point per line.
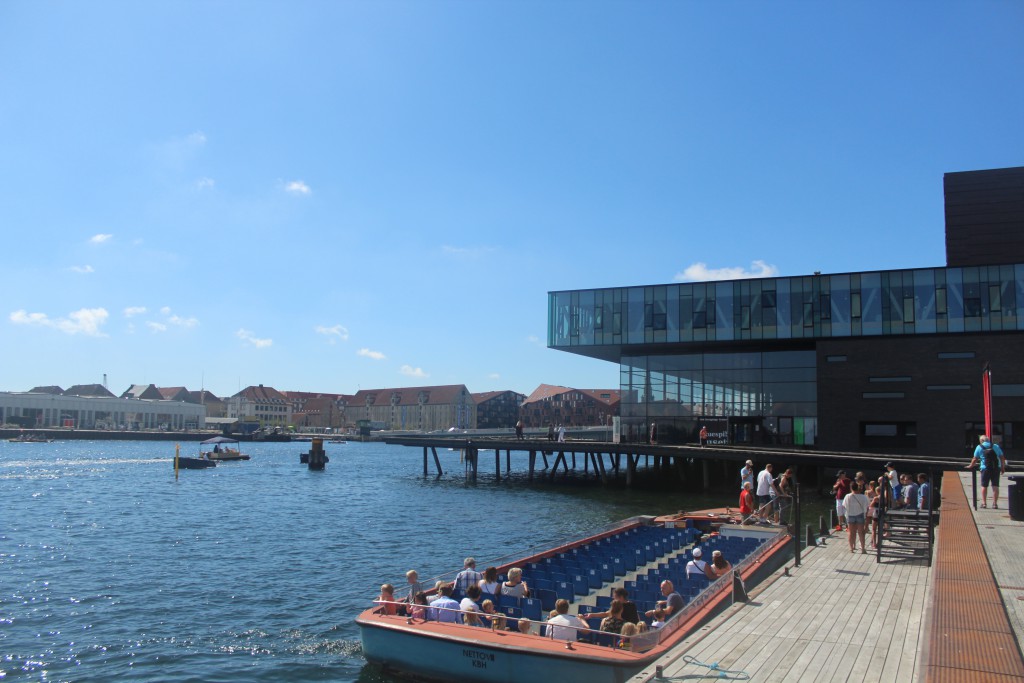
316 458
822 529
810 537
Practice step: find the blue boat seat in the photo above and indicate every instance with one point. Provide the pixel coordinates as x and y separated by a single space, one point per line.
533 608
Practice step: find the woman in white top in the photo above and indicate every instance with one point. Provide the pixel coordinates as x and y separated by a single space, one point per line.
856 504
515 586
490 583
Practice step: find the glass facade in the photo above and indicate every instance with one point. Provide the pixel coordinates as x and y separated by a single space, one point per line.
896 302
763 396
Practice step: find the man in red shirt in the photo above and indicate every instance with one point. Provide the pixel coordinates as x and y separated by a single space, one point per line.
746 500
841 488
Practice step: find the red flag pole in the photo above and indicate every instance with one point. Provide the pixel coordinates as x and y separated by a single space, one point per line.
986 388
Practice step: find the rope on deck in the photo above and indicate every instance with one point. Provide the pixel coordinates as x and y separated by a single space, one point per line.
722 673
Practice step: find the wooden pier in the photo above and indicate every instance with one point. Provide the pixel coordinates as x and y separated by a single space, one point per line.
846 617
607 461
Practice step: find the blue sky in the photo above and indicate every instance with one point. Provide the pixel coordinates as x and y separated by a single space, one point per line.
327 196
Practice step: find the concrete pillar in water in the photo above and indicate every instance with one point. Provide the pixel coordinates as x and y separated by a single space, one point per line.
707 474
317 458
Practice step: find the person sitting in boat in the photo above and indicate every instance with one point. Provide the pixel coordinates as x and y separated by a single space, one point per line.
671 605
492 617
627 633
418 608
469 576
413 578
565 626
696 566
387 599
216 448
614 622
470 607
629 611
719 565
490 583
515 586
438 585
444 608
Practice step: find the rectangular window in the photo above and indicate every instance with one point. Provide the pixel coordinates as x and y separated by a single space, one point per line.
835 359
768 299
952 355
993 298
1008 390
658 321
881 429
972 308
908 309
855 304
826 307
940 300
883 394
899 378
886 435
808 314
948 387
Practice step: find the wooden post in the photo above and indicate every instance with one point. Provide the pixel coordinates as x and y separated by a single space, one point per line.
586 464
508 461
424 461
437 461
533 462
497 464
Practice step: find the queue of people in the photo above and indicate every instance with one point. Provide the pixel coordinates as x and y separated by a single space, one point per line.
765 498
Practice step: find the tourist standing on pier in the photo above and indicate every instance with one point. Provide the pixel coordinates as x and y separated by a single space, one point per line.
856 504
990 455
765 486
519 430
551 432
747 475
924 492
561 433
703 436
785 499
841 488
746 502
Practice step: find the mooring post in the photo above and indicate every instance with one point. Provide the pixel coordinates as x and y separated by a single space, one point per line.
796 523
533 462
424 461
508 461
586 464
437 461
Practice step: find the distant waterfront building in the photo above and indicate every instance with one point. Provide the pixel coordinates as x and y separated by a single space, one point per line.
174 393
415 408
553 405
95 390
497 409
88 411
887 360
215 407
259 404
146 391
317 410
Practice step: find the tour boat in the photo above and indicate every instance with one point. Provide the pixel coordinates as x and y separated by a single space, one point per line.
29 438
637 554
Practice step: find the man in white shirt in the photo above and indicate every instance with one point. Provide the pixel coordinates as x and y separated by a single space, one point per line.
696 566
764 492
564 626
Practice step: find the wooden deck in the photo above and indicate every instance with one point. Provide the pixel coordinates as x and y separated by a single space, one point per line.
843 617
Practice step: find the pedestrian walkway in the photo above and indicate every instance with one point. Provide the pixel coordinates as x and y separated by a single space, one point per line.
838 617
845 617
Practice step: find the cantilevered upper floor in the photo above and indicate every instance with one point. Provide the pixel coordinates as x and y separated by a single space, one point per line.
605 323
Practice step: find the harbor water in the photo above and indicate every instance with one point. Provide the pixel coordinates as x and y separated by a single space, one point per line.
252 571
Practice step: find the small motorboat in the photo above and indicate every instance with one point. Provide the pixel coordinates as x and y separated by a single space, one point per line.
222 450
29 438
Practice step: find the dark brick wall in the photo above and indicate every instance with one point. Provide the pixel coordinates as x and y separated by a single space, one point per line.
940 415
984 217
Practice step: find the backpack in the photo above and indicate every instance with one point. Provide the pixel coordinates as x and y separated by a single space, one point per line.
989 457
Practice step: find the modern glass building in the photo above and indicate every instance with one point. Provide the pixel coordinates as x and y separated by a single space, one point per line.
849 361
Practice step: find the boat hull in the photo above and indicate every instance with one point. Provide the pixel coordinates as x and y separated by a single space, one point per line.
195 463
442 658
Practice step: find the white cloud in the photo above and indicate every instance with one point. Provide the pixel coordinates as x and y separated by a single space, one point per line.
467 252
410 371
197 139
86 321
334 333
166 310
535 340
182 322
376 355
699 272
156 327
205 183
494 375
101 238
297 187
133 311
247 336
83 270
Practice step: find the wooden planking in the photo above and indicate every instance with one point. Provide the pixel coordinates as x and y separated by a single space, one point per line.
840 617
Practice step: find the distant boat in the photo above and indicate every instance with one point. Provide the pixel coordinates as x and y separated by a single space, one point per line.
222 450
29 438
